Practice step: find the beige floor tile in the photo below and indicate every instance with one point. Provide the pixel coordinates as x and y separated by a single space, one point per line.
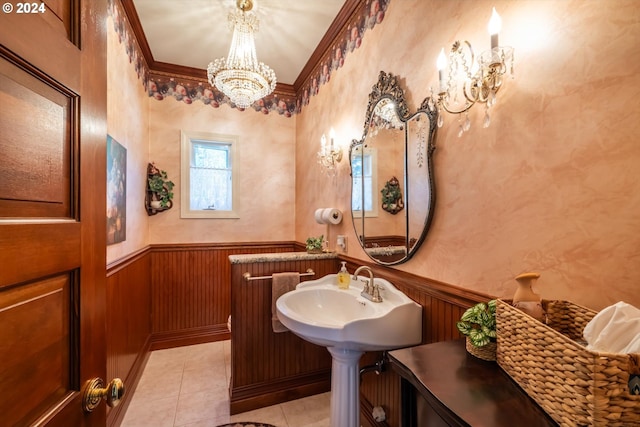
309 411
177 353
205 355
202 406
270 415
189 387
153 386
145 413
194 381
206 423
326 422
166 361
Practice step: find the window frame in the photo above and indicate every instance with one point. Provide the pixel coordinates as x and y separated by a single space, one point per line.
372 153
187 139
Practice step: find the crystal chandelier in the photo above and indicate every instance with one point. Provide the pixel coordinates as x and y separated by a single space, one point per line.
240 76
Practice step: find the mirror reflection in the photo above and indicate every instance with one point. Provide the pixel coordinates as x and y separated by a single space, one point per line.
392 174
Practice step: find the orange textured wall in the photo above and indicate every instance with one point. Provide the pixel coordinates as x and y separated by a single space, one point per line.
267 172
551 186
127 123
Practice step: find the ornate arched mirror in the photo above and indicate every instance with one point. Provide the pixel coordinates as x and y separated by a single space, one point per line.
392 185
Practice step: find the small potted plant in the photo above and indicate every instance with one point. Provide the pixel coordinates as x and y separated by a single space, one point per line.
314 244
161 187
478 324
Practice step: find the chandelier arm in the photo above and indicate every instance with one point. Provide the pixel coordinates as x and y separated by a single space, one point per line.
474 93
443 103
473 56
457 49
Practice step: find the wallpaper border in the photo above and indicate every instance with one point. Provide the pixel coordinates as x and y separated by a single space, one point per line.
186 89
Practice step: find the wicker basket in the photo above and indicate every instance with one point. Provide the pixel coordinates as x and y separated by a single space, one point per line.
575 386
486 352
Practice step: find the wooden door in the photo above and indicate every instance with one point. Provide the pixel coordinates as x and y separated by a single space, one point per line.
52 210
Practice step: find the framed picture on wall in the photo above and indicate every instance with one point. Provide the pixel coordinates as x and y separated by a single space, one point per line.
116 192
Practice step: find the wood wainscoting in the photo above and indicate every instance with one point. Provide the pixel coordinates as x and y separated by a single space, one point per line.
128 324
191 295
266 367
167 296
172 295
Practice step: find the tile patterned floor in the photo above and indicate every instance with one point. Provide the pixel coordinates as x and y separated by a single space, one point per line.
188 387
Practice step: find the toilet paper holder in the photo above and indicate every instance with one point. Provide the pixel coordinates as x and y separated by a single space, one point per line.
329 216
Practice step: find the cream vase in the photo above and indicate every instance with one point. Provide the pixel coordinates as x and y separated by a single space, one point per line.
527 300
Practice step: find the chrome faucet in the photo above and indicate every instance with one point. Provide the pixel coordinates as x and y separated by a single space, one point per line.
370 290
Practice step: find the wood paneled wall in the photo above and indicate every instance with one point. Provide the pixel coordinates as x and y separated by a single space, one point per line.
128 324
171 295
191 295
266 367
167 296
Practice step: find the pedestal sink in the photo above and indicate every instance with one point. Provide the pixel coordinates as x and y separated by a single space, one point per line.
348 325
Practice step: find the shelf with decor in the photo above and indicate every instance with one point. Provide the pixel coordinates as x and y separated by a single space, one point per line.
159 192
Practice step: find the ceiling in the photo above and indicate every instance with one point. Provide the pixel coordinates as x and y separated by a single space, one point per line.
192 33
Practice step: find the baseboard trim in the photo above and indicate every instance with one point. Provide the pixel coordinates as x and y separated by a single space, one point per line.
162 340
248 398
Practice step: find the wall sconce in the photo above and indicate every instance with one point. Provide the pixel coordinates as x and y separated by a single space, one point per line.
329 155
469 82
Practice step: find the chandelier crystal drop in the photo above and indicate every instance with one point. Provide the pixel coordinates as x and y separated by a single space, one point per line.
240 76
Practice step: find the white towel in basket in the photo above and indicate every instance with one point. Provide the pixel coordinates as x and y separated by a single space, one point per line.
616 329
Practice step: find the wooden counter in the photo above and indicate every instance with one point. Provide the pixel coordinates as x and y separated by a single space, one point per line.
443 385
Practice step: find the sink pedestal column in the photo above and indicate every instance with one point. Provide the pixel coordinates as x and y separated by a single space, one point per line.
345 387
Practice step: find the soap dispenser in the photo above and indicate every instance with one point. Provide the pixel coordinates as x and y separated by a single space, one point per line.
344 278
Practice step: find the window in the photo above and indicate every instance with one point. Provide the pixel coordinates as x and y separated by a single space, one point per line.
209 176
364 181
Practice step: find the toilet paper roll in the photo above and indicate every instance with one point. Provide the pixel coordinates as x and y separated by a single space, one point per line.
318 216
331 216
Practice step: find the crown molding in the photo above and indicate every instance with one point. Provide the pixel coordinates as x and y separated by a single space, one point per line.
136 27
155 67
334 31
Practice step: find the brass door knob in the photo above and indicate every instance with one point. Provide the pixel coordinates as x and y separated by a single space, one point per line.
95 391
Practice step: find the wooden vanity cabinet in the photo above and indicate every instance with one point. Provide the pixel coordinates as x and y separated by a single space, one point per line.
443 385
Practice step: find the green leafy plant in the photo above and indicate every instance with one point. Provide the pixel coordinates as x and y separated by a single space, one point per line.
479 323
315 243
160 184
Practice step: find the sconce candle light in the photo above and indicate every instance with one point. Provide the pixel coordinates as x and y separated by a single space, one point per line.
329 156
469 82
442 64
495 25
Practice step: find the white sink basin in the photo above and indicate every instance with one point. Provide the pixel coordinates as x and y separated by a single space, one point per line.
320 313
348 325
